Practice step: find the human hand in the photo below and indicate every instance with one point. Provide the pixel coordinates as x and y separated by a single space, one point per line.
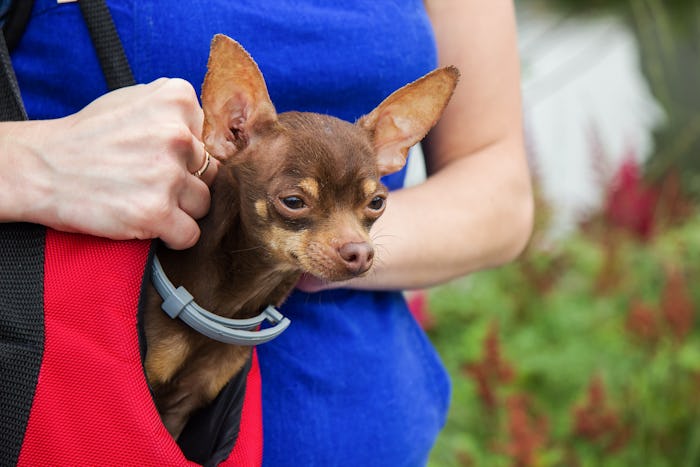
122 167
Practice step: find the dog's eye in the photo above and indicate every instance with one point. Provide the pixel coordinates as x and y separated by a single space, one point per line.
377 203
294 202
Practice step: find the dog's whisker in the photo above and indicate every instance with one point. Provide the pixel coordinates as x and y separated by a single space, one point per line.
243 250
380 262
381 247
379 236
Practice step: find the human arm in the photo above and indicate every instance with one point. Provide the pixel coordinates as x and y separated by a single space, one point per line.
120 168
474 211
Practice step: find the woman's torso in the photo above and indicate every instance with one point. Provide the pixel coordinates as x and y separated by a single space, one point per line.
353 381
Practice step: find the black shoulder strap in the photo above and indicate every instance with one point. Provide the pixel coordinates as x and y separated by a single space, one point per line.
21 298
11 106
21 330
105 38
16 21
22 246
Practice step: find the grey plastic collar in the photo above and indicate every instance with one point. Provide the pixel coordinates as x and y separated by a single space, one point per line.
179 303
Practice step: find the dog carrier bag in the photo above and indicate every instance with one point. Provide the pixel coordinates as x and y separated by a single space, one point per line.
72 384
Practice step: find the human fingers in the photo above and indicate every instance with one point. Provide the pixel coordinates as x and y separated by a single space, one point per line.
202 164
140 183
209 175
183 98
194 199
180 231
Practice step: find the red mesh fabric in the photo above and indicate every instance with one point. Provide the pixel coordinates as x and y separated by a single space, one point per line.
248 448
92 405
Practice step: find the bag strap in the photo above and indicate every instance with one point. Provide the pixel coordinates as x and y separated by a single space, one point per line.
11 106
21 297
16 20
105 38
21 330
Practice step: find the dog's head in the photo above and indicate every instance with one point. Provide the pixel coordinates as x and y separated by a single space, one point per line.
309 184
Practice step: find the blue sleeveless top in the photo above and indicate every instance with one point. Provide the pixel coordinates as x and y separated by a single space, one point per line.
353 381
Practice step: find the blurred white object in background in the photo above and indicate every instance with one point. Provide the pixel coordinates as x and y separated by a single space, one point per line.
587 106
415 166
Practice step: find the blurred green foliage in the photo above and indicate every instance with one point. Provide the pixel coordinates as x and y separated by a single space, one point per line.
597 335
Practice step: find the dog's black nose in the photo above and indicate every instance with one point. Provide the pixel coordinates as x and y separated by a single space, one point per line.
357 256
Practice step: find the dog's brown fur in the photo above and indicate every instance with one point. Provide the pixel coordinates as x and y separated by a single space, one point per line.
296 192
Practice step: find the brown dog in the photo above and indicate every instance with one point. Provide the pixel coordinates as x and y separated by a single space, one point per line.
296 192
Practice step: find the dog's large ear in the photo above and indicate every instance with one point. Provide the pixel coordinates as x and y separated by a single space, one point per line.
406 116
234 98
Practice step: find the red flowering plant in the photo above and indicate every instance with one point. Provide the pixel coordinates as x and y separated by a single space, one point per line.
631 203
